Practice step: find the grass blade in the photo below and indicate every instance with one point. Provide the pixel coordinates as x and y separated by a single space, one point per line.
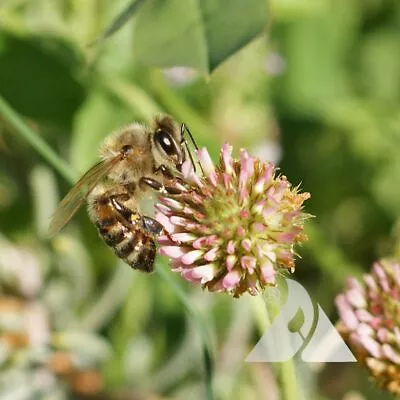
120 20
32 137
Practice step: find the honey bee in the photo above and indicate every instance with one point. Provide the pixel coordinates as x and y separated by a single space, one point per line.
133 159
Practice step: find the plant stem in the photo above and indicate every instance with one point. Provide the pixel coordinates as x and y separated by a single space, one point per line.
288 379
201 325
35 141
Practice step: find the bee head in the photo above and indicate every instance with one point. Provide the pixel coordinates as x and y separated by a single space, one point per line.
168 143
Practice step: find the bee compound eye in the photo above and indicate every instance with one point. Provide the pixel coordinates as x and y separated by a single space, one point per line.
126 149
166 142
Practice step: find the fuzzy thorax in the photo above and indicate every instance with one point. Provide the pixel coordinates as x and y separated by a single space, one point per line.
145 155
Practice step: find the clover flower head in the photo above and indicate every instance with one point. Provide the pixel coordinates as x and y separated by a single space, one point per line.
235 226
370 321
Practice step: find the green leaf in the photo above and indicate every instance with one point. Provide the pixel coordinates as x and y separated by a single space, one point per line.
38 77
297 321
196 33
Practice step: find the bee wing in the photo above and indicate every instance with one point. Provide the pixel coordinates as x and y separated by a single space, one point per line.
76 197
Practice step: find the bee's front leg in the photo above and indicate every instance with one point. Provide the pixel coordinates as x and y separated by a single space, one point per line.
165 171
158 186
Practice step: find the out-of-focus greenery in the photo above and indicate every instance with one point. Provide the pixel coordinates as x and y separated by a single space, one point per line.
320 96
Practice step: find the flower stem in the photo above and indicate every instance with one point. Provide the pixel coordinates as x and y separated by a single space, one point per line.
288 380
267 307
287 369
201 325
35 141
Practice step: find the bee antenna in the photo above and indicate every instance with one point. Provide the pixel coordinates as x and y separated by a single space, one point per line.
184 129
191 137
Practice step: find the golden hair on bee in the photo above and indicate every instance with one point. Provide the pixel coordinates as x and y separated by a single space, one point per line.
133 159
137 161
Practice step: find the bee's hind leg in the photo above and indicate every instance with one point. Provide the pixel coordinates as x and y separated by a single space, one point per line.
152 226
126 213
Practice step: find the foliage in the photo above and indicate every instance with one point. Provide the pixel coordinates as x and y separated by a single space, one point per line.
319 96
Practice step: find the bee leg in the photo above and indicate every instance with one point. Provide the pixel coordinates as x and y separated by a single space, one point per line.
154 227
151 225
168 174
159 187
125 212
165 171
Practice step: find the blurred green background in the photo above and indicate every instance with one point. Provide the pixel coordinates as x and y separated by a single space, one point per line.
318 94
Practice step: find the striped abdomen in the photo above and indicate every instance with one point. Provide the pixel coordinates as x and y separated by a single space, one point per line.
126 231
